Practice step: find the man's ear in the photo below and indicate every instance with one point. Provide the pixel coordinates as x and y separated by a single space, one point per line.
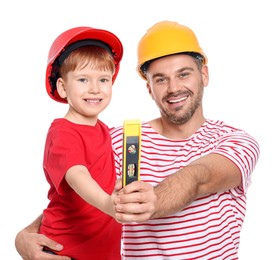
60 86
205 75
149 90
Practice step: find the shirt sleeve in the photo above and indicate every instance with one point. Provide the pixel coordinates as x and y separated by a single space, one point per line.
64 151
243 150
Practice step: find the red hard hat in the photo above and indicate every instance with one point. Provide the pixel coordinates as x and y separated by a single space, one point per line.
83 35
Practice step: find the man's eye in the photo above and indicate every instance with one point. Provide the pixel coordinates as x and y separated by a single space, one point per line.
184 74
160 80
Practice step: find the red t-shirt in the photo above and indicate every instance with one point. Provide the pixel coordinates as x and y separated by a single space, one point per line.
84 231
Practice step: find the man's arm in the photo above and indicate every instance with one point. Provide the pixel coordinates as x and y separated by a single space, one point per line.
30 244
208 174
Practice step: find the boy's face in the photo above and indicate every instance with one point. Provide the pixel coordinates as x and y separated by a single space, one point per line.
88 92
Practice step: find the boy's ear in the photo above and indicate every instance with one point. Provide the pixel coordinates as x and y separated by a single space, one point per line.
61 88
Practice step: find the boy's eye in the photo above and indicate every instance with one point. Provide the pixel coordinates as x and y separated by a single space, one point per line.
104 80
82 79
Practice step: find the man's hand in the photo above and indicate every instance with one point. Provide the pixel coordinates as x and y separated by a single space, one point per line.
30 245
134 202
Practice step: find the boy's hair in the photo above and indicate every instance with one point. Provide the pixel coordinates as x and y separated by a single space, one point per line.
94 56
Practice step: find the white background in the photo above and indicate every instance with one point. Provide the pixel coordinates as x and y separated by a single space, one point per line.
241 40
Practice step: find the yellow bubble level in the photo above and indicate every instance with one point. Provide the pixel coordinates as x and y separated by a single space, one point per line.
131 151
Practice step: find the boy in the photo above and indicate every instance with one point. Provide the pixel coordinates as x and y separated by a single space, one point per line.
78 160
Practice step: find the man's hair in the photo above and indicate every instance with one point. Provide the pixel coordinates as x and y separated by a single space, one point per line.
198 59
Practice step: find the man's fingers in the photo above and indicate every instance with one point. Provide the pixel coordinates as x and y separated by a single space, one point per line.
135 203
135 197
134 208
51 244
128 218
137 192
30 246
137 186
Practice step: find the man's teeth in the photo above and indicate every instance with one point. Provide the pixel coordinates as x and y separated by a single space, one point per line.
177 100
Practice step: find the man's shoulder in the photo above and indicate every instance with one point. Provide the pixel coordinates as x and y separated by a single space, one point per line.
224 131
221 126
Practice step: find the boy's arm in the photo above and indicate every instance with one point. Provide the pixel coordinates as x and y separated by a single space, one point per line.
30 244
80 180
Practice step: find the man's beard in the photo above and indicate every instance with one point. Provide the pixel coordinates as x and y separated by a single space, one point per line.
181 118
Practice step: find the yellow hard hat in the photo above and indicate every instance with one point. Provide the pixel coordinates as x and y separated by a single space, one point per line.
166 38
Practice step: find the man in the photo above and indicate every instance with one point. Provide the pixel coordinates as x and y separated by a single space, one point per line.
200 168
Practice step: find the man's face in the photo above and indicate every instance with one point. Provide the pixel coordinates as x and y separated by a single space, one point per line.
176 84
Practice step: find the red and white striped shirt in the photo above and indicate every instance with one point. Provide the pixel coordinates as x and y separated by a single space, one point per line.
209 228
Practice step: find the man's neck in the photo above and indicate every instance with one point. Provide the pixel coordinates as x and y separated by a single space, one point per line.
177 131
